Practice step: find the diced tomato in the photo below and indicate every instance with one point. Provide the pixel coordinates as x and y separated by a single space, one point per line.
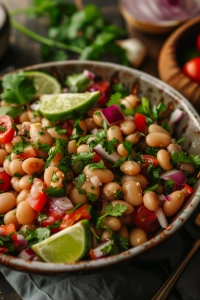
28 152
52 217
83 212
140 122
105 91
6 230
5 182
192 69
6 130
149 159
97 158
187 190
198 43
68 126
37 197
145 219
3 250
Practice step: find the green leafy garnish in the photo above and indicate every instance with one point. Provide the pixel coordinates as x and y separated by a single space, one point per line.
17 88
109 145
37 235
92 197
19 147
54 191
118 194
77 82
42 217
114 99
152 188
114 211
119 162
79 182
99 165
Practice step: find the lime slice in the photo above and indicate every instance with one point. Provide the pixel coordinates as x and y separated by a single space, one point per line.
44 83
67 246
67 105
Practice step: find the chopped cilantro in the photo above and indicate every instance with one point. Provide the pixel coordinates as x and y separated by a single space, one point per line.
79 130
37 235
169 185
54 177
158 109
42 217
19 147
109 145
79 182
99 165
60 130
152 188
114 211
128 146
52 153
119 162
92 197
54 191
114 99
118 194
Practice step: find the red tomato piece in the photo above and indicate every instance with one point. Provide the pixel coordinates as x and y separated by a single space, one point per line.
83 212
6 130
28 152
5 182
37 197
149 159
52 217
145 219
198 43
192 69
140 122
68 126
3 250
187 190
105 91
97 158
6 230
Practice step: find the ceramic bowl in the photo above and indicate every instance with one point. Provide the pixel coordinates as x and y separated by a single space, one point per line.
139 16
189 127
170 60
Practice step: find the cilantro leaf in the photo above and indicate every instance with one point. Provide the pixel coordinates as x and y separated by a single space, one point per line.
114 99
181 157
152 188
17 88
52 153
79 130
54 191
99 165
114 211
42 217
119 88
109 145
84 158
118 194
37 235
128 146
10 111
19 147
119 162
77 82
157 109
79 182
169 185
195 160
92 197
60 130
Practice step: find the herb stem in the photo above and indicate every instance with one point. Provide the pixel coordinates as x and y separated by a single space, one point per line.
43 40
20 11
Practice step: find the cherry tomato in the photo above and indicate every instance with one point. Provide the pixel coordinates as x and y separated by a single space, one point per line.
105 91
37 197
140 122
192 69
198 43
5 180
97 158
6 130
28 152
83 212
6 230
68 126
145 219
187 190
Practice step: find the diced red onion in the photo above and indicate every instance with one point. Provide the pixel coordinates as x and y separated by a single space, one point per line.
113 157
112 115
88 74
97 253
162 197
94 131
167 197
35 105
95 181
105 203
2 170
22 243
26 254
176 115
161 217
176 175
60 205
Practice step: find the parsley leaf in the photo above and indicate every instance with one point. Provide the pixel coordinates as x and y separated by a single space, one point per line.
84 158
128 146
195 160
119 162
19 147
181 157
17 88
109 145
114 99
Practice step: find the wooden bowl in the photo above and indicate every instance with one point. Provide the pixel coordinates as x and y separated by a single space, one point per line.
169 62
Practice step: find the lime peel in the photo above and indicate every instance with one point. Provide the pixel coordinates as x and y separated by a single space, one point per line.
67 246
67 105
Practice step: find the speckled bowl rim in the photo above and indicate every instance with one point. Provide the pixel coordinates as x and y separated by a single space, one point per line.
86 266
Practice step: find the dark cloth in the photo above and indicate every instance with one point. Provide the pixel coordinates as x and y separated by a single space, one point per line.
138 280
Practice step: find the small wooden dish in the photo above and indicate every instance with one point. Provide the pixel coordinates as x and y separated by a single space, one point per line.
169 66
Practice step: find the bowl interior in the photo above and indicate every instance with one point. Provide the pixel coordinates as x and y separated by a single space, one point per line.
189 127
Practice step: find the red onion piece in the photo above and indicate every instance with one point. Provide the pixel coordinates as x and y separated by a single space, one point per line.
95 181
88 74
167 197
112 115
113 157
161 218
97 253
176 175
105 203
60 205
26 254
20 240
176 115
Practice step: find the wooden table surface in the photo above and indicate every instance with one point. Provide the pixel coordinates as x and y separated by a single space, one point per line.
23 51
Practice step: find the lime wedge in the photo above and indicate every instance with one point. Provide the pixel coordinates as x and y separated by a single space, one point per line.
67 105
44 83
67 246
